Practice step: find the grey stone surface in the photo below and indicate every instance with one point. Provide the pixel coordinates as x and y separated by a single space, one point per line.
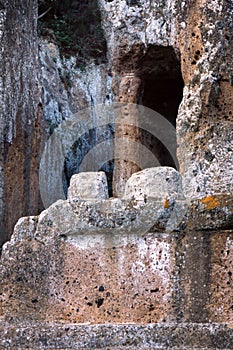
88 186
200 34
76 217
117 337
158 182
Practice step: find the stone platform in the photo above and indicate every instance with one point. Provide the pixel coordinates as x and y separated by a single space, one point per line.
138 272
118 337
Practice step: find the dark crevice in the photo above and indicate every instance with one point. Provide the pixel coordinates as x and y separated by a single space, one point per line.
162 91
163 96
80 149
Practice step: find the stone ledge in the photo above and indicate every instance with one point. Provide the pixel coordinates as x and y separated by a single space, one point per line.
116 336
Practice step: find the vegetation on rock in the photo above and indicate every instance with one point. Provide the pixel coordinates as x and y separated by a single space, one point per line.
75 26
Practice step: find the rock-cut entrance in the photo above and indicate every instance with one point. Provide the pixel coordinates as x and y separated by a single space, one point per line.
154 81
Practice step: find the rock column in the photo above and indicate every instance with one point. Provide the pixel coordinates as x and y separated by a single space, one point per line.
127 91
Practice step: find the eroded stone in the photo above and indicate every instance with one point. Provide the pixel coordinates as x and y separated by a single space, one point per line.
88 186
158 182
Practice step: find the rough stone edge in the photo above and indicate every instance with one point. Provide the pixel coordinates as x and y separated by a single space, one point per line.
121 336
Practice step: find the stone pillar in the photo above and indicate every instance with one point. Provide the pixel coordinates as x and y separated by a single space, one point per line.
128 91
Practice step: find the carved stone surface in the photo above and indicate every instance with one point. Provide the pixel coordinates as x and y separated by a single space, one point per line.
159 182
88 185
121 260
144 39
96 279
139 35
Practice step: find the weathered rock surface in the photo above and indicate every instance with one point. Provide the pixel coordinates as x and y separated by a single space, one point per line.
88 185
106 245
39 89
149 41
121 260
159 182
117 337
140 35
21 123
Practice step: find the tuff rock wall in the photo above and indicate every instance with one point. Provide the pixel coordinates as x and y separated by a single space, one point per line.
39 89
179 279
21 112
200 34
159 39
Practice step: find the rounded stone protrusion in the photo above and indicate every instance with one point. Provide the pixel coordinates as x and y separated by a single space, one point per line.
158 182
88 186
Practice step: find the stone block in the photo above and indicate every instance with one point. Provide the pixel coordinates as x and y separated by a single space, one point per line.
158 182
88 186
102 278
204 261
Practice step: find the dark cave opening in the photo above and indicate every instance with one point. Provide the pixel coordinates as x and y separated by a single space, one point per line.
80 149
163 96
162 92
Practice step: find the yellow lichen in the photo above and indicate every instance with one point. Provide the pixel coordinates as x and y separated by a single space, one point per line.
210 202
166 204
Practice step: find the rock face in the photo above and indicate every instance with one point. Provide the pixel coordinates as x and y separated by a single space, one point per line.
114 260
103 244
153 336
154 50
162 253
144 38
39 89
160 182
21 113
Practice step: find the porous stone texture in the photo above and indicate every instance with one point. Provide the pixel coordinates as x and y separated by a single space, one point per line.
117 337
21 122
119 261
129 91
159 182
64 267
88 185
67 88
147 42
220 306
204 264
139 36
39 89
204 261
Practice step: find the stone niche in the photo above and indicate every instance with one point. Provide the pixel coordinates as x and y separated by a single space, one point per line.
162 82
151 77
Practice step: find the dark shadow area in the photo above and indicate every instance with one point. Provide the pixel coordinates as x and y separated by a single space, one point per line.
75 26
79 150
162 91
133 2
163 96
108 169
